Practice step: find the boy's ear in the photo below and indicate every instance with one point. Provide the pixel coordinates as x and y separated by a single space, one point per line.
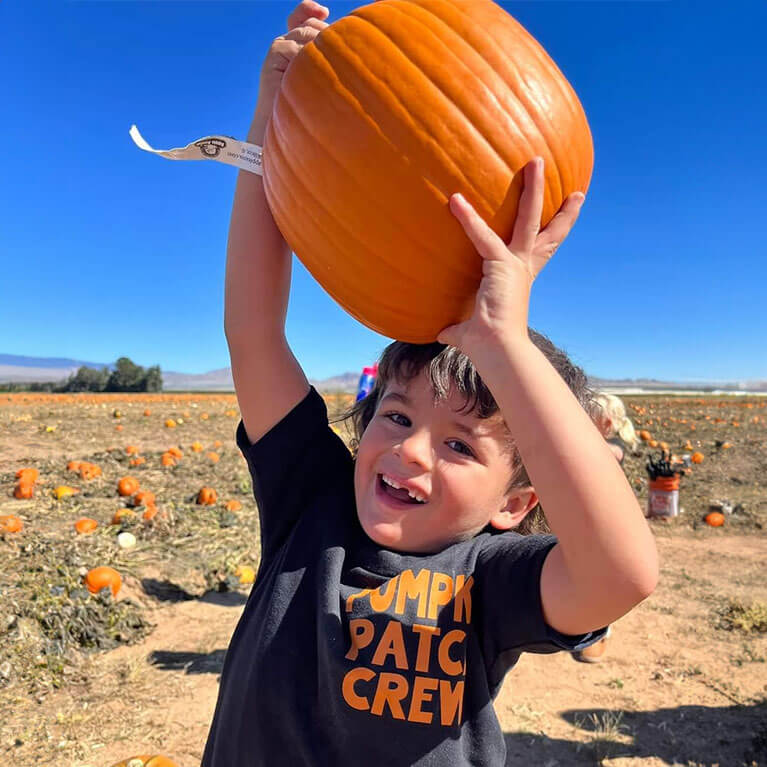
519 503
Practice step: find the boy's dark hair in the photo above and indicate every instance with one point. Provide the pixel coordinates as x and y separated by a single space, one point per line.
448 368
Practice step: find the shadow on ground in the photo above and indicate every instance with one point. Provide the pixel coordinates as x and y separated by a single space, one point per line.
188 662
705 736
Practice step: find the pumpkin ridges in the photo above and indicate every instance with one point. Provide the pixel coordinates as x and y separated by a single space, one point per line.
378 150
409 112
424 301
346 290
498 128
498 25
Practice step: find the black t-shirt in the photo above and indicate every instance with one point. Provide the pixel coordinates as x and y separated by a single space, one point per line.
347 653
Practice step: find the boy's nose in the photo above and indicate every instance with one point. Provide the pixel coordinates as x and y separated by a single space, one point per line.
415 448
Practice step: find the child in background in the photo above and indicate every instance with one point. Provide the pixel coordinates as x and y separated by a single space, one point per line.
395 589
616 426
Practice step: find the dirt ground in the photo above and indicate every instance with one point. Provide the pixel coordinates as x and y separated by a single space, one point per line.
86 684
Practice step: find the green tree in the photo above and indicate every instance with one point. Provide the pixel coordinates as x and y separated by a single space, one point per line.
127 376
87 379
153 379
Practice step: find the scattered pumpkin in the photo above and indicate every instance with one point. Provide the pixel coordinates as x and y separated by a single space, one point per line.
644 435
213 457
29 476
653 443
176 452
100 577
23 490
170 423
122 514
196 447
715 519
217 444
697 457
137 461
204 416
85 525
89 470
151 512
132 450
144 498
64 491
147 412
245 573
127 486
119 427
233 505
726 445
206 496
10 523
73 466
167 460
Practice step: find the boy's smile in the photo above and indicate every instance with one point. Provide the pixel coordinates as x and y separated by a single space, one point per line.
427 475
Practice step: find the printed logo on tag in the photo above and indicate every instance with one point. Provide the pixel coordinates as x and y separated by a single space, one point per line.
211 147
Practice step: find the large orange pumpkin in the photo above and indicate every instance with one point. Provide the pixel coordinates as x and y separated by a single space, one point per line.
381 118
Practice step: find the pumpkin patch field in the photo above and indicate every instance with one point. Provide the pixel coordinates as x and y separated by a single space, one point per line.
129 542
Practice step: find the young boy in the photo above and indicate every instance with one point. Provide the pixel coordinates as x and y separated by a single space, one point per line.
393 592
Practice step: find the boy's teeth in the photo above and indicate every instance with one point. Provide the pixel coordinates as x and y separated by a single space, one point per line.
397 486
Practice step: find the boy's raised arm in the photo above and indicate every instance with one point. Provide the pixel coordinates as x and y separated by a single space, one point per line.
267 377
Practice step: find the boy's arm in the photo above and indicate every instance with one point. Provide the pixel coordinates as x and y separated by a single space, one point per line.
267 377
605 561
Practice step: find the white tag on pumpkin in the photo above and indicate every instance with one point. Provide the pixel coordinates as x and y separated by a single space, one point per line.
219 148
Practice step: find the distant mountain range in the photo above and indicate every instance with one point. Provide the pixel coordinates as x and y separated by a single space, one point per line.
20 369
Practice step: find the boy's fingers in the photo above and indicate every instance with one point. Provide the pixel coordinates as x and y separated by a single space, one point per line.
487 243
559 226
305 10
530 208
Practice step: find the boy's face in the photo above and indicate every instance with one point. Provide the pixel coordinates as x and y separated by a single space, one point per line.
458 464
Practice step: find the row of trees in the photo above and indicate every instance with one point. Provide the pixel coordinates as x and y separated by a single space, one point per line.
127 376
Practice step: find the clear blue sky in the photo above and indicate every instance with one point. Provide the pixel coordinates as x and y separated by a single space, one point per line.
109 251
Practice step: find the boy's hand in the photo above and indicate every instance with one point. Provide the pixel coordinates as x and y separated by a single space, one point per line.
508 271
305 22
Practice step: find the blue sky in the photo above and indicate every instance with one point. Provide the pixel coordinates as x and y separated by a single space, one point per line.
108 251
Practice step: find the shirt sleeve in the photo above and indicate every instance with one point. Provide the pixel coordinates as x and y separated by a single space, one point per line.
511 621
294 462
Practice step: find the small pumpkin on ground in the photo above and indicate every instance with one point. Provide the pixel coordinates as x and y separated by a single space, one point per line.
715 519
64 491
127 486
122 514
85 525
10 523
697 457
176 452
23 490
28 476
99 577
167 459
206 496
233 505
144 498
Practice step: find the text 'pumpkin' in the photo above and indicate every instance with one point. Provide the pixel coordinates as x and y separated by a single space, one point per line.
380 119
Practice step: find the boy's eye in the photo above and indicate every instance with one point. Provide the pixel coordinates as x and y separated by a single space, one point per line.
393 416
461 448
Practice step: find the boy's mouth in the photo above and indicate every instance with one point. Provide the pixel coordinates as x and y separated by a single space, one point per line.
390 488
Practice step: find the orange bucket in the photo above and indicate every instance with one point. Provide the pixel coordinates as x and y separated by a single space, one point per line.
663 497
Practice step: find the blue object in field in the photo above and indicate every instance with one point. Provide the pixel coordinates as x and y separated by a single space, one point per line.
367 381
